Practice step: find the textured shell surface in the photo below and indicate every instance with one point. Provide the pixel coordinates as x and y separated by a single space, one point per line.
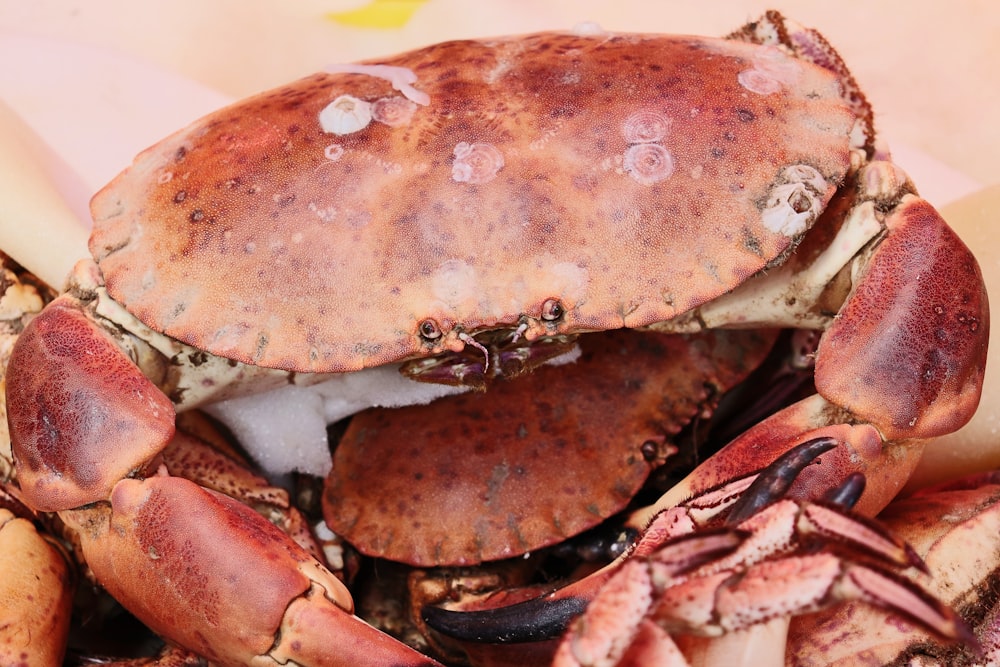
317 226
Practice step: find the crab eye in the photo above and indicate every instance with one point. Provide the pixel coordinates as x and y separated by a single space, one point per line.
552 310
429 330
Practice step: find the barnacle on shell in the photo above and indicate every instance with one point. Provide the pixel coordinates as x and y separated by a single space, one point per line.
393 111
476 163
645 127
648 163
345 114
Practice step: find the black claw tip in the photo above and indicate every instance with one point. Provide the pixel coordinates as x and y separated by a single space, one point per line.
772 482
847 495
529 621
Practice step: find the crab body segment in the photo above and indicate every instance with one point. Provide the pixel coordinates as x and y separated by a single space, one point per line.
406 210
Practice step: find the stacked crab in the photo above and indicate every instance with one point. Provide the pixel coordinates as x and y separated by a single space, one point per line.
623 220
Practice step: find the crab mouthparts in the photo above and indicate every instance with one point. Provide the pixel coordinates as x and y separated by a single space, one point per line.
488 355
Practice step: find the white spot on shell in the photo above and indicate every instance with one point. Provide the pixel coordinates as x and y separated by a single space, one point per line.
795 201
165 177
401 78
759 82
455 283
565 279
345 114
393 111
333 152
476 163
325 213
648 163
645 127
771 72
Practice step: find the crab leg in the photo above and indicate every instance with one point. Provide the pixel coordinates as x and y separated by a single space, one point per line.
860 450
772 574
956 529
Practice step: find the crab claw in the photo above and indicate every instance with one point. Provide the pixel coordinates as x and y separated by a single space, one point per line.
773 573
214 576
36 596
549 616
67 383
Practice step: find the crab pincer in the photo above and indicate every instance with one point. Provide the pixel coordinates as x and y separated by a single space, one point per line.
219 579
192 564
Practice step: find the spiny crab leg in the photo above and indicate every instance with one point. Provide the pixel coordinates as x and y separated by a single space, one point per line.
693 567
954 528
749 587
547 617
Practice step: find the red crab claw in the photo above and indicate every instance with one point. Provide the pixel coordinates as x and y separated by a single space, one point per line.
213 575
200 568
36 595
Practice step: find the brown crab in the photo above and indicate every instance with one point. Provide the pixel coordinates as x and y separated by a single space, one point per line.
397 490
407 210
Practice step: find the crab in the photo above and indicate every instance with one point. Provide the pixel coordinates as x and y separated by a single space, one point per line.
380 493
463 211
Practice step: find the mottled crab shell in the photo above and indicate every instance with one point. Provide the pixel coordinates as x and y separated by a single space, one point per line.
327 224
483 476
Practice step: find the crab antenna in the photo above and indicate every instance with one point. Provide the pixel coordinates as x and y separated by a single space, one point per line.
469 340
519 331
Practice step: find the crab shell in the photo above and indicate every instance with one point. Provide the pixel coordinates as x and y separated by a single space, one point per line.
380 213
489 475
